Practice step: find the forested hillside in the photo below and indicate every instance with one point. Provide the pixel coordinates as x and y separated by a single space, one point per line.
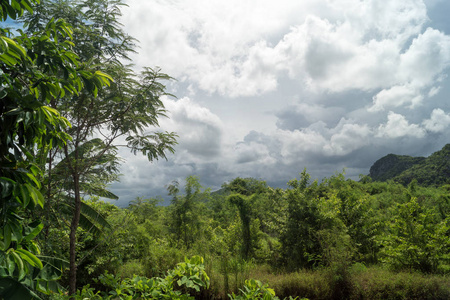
430 171
392 165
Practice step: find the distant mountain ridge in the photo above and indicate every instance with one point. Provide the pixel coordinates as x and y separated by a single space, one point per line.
431 170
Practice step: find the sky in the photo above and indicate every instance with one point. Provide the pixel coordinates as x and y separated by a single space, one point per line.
265 89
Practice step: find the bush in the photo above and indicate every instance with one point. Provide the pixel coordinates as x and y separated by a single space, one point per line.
254 290
160 257
186 278
415 239
130 269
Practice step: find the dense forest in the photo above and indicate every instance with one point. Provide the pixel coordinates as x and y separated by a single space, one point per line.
68 100
335 239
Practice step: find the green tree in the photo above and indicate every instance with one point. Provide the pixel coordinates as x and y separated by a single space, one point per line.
35 69
300 243
185 217
244 207
355 211
416 238
244 193
245 186
312 225
144 209
57 186
122 112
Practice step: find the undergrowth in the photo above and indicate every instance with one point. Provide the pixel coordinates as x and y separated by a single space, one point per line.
368 283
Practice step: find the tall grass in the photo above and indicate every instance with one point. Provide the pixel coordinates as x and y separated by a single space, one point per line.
372 283
378 283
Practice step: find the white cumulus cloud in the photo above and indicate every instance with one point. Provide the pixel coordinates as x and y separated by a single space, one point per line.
396 96
397 126
348 138
438 121
241 48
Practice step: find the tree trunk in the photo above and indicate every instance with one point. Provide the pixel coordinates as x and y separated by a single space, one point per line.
73 236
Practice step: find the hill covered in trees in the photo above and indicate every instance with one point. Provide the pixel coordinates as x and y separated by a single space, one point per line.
428 171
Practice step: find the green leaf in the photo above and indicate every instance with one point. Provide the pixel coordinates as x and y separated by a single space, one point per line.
16 230
94 215
3 45
34 232
33 178
7 59
105 78
10 265
11 289
6 236
22 193
35 170
30 258
19 263
6 186
36 195
53 268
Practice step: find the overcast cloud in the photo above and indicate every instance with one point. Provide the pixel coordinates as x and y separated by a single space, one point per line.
267 88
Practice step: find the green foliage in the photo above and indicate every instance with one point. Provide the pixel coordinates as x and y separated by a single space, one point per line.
100 253
353 208
244 207
391 165
137 243
245 186
143 209
371 283
303 283
14 8
300 244
354 222
376 283
336 214
187 277
30 80
122 104
185 222
255 290
430 171
416 239
260 211
234 270
337 257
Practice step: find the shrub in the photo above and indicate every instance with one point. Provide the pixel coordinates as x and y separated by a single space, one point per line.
131 268
255 290
187 277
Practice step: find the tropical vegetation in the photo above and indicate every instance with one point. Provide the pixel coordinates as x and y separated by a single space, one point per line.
69 100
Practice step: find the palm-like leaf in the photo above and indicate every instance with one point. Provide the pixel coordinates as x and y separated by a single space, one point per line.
90 219
98 167
94 217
